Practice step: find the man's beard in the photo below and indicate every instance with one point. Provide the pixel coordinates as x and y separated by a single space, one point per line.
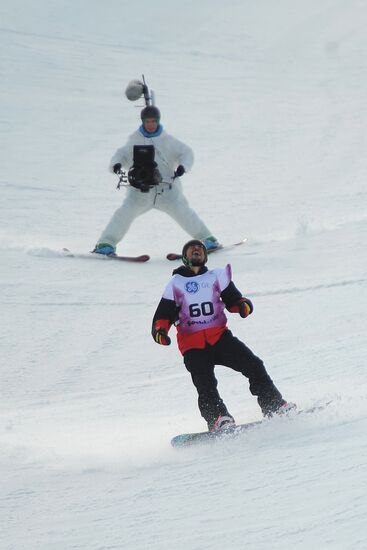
197 262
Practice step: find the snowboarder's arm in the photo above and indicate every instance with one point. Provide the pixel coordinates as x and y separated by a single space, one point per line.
163 319
235 302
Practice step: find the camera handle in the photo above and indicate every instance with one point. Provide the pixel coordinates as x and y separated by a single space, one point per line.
123 181
122 176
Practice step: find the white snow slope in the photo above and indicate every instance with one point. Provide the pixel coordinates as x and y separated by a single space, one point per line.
272 98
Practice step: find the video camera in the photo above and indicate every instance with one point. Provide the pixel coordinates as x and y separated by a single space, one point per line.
144 174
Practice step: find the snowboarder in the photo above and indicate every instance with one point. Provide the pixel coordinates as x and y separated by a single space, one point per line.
153 185
194 300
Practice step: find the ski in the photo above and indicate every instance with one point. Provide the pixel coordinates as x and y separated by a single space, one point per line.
172 256
189 439
135 259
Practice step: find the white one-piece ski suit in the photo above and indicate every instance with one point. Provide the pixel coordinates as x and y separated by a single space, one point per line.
166 196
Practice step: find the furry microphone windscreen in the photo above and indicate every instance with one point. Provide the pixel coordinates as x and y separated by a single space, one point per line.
134 90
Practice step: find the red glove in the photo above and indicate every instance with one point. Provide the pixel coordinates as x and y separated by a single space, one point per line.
161 337
244 307
160 332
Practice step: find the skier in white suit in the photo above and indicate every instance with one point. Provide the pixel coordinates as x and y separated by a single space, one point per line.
158 188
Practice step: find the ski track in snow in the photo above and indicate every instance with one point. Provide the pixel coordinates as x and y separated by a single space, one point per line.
309 288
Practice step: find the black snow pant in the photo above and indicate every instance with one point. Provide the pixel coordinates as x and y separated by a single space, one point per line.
232 353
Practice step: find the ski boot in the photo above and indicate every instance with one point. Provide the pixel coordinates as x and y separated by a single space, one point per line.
211 244
105 248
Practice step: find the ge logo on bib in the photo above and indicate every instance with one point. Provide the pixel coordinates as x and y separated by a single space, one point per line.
192 287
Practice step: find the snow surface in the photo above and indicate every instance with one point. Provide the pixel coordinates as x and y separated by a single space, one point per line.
272 98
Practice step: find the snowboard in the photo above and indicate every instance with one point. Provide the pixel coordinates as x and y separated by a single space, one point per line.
136 259
172 256
199 438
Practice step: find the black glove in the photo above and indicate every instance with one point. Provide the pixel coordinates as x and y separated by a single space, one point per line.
180 170
245 307
117 167
161 337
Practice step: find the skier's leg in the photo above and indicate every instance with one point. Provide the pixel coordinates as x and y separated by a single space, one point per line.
201 368
135 204
174 203
233 353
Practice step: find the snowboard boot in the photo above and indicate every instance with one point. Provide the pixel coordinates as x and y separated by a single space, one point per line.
284 409
287 409
104 248
224 423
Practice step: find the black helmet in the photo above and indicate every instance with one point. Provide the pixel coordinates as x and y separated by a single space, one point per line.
150 111
192 243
